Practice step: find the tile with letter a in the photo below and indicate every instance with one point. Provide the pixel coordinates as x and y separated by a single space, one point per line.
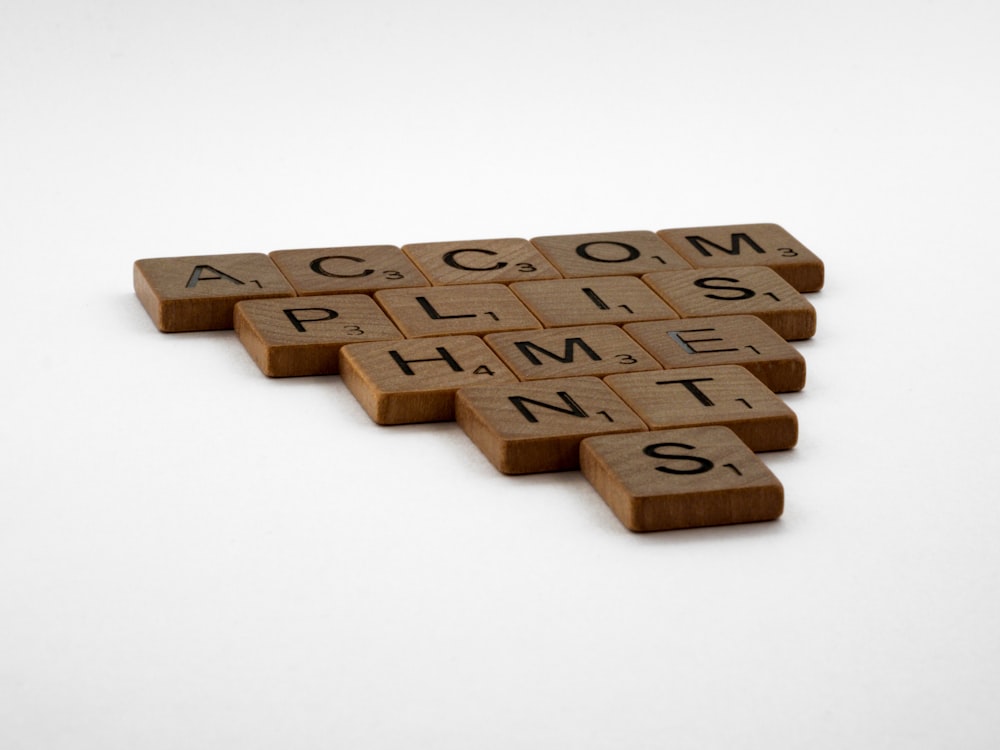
742 340
480 261
749 245
303 335
724 395
199 292
679 479
455 310
538 425
753 290
590 301
609 254
405 382
346 270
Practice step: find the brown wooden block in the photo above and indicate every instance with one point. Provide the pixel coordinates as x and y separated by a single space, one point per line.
571 352
480 261
452 310
749 245
724 395
589 301
678 479
538 425
198 292
609 254
415 380
345 270
754 290
303 335
725 340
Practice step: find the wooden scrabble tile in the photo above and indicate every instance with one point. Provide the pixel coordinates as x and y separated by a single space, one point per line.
198 292
726 395
570 352
444 310
609 253
753 290
415 380
344 270
749 245
303 335
589 301
480 261
538 425
724 340
678 479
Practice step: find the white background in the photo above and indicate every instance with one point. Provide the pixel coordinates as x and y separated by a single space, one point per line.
194 556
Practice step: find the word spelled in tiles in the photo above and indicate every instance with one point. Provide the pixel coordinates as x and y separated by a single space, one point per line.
649 361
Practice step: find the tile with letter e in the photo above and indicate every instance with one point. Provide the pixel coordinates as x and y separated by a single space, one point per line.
537 426
405 382
753 290
749 245
480 261
609 254
570 352
303 335
199 292
590 301
724 395
724 340
346 270
454 310
680 479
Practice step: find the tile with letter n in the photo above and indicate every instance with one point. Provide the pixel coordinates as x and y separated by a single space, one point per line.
749 245
724 395
752 290
455 310
480 261
680 479
570 352
303 335
537 426
199 292
724 340
609 253
405 382
346 270
590 301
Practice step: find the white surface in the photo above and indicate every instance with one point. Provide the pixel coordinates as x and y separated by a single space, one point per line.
192 555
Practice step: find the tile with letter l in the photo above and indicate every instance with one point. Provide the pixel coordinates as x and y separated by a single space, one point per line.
609 253
199 292
591 301
537 426
749 245
724 395
456 310
303 335
753 290
405 382
742 340
480 261
679 479
347 270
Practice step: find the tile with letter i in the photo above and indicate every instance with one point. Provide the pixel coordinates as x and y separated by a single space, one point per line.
347 270
679 479
480 261
609 254
590 301
456 310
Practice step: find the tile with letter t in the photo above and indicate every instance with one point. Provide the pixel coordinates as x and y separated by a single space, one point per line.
480 261
537 426
591 301
405 382
726 395
680 479
609 254
456 310
199 292
749 245
303 335
347 270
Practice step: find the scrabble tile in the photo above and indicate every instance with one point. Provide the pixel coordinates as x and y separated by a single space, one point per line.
589 301
724 340
538 425
199 292
749 245
609 254
345 270
678 479
726 395
570 352
303 335
415 380
480 261
444 310
754 290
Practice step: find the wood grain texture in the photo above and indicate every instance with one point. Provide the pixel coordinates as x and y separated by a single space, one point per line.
347 270
609 253
456 310
480 261
592 301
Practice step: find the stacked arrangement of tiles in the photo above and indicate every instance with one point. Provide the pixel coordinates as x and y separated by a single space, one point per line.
650 361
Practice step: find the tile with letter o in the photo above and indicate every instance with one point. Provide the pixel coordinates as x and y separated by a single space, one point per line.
456 310
347 270
591 301
480 261
609 253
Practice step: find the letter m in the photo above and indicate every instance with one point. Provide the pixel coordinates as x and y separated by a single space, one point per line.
525 347
735 240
